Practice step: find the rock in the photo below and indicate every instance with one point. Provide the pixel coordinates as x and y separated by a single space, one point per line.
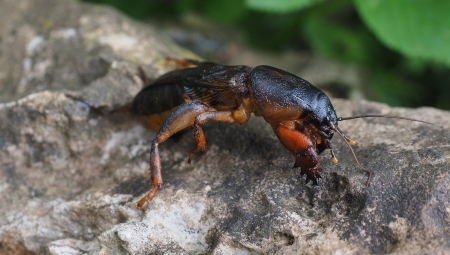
71 176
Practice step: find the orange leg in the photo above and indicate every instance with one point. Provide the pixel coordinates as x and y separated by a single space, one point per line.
241 116
183 117
182 63
199 135
190 114
301 146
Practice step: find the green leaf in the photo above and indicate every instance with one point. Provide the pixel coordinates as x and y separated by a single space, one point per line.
416 28
225 11
280 5
334 40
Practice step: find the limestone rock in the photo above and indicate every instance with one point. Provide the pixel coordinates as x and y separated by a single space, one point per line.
70 176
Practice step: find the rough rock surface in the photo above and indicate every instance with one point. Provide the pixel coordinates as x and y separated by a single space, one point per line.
70 177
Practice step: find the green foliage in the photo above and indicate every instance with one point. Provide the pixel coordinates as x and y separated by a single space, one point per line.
337 40
419 28
416 28
405 43
225 11
280 5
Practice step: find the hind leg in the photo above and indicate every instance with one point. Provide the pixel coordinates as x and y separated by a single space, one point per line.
183 117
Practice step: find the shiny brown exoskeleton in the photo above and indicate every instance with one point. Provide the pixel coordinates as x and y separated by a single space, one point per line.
301 115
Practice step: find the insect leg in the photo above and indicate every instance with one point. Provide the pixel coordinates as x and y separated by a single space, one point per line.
241 116
182 63
187 63
199 135
183 117
302 148
330 147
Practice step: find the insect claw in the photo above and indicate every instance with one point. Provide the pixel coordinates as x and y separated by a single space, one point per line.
300 177
190 158
312 174
314 179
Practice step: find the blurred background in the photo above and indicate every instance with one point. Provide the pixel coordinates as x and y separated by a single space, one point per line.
396 52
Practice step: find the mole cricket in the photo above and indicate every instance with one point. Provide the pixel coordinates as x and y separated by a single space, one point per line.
301 115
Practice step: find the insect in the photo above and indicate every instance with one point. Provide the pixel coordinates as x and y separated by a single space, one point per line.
301 115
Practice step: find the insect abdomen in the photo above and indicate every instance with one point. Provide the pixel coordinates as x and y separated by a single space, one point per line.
154 104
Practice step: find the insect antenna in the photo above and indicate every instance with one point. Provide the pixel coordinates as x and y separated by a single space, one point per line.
348 141
382 116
